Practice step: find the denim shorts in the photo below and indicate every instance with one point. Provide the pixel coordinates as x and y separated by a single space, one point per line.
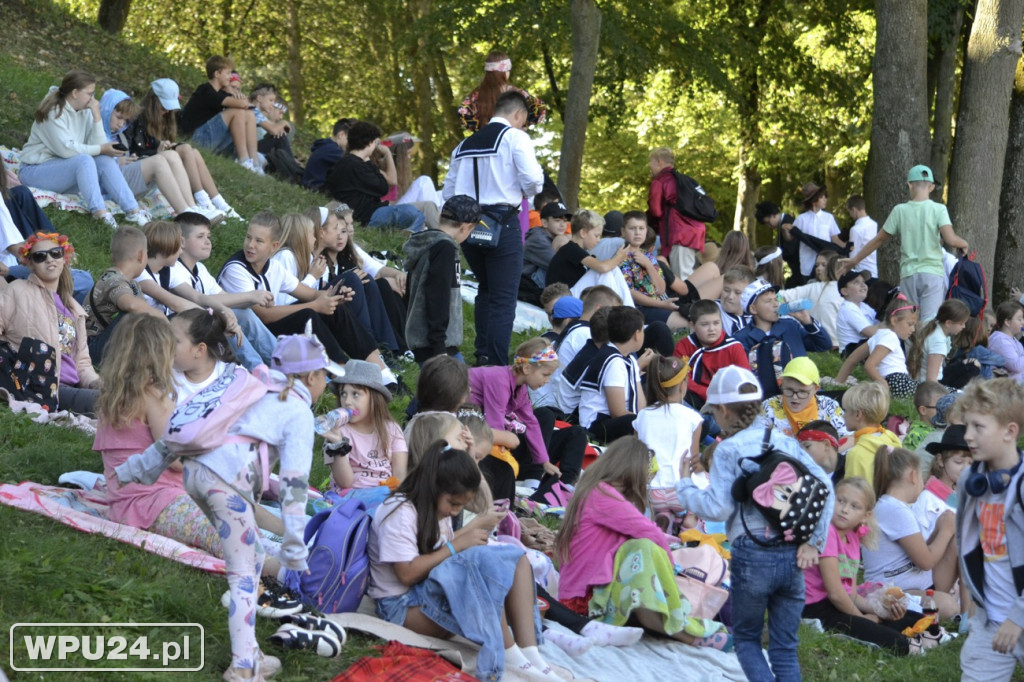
393 609
215 136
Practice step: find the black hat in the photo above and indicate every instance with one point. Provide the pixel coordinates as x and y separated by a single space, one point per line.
952 439
613 223
555 209
851 275
461 209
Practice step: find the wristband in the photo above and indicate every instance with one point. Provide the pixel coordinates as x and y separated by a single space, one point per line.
450 548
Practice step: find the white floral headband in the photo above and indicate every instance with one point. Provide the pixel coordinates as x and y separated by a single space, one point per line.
504 66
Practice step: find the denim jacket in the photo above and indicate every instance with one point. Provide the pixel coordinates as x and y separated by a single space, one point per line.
715 502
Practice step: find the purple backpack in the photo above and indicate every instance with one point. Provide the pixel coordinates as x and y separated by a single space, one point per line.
339 566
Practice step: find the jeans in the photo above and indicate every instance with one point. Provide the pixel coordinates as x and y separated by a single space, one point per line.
403 216
256 333
25 212
766 579
247 355
90 176
82 280
497 272
215 136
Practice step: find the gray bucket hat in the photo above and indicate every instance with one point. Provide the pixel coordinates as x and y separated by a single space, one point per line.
363 373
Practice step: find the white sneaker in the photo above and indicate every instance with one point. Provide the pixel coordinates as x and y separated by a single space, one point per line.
230 213
212 214
109 220
140 217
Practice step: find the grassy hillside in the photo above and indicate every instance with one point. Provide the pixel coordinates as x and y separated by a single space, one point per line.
54 574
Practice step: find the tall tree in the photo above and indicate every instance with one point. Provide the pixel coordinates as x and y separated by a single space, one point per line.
945 25
1010 243
899 129
585 19
983 123
113 14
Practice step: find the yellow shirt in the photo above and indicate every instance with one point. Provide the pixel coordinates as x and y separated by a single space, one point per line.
860 460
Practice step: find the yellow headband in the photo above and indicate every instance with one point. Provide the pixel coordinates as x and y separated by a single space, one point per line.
678 378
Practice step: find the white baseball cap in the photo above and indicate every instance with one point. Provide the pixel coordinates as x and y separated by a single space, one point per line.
724 388
166 91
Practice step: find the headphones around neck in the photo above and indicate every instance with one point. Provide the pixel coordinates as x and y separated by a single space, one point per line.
978 483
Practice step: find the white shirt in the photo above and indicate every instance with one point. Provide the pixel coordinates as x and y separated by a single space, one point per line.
895 362
863 231
9 234
825 301
852 318
890 563
287 260
202 281
821 225
505 178
567 397
371 265
177 278
237 279
668 430
186 389
937 343
616 375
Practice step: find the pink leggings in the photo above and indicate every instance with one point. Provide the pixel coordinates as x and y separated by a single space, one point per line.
232 515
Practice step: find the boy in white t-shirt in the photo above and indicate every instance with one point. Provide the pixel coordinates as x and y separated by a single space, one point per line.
863 230
816 222
856 322
990 530
611 393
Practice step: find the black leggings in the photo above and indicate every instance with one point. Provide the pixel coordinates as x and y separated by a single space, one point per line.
886 634
565 448
606 429
562 614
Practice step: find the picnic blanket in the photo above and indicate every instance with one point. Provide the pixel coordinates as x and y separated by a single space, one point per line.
41 416
650 659
153 201
86 510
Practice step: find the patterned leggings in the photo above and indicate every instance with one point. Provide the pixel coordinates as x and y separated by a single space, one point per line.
184 521
901 385
232 515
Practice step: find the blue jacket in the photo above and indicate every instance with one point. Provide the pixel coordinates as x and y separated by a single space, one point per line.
792 339
324 153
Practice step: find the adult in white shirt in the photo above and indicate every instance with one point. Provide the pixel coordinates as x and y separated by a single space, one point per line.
864 230
816 222
497 165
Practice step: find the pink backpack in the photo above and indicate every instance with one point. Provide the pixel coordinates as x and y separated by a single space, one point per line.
700 571
201 423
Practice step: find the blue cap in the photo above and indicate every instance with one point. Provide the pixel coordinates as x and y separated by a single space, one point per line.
566 308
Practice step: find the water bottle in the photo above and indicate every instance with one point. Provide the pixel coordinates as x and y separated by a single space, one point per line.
333 419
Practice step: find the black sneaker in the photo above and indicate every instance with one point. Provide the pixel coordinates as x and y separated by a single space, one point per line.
273 601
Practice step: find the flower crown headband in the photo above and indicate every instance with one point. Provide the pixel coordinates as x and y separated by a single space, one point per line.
503 66
547 354
59 239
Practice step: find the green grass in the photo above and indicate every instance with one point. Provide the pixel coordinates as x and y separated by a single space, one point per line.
53 573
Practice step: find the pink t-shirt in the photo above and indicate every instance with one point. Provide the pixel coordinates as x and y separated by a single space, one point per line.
134 504
369 466
846 548
393 540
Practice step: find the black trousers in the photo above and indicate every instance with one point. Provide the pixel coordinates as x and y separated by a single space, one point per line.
565 448
296 324
886 634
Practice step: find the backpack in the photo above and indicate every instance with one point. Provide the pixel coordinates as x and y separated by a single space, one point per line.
967 283
700 572
786 493
692 201
339 566
201 423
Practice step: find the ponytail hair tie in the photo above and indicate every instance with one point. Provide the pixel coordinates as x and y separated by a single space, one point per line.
209 311
52 89
863 530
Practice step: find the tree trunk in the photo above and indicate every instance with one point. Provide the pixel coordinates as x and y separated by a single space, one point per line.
113 14
586 34
899 127
945 60
1010 243
746 198
983 122
296 84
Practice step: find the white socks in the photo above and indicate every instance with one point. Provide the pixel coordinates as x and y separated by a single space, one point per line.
611 635
202 198
529 663
569 642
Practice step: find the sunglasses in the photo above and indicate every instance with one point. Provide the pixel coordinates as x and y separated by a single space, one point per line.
56 253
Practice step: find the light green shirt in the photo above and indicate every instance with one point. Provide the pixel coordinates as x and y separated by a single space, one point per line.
917 223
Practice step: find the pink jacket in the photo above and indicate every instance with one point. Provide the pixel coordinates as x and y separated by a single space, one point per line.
675 228
27 310
604 521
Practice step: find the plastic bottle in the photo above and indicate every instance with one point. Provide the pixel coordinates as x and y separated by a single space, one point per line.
333 419
928 606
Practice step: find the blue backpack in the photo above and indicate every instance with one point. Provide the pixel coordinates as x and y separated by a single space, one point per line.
339 566
967 283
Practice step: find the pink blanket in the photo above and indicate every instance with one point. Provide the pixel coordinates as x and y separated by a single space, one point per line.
86 511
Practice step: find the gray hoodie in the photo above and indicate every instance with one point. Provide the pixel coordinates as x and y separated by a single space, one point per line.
434 320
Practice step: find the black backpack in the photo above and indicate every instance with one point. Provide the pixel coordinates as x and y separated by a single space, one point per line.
787 494
692 201
967 283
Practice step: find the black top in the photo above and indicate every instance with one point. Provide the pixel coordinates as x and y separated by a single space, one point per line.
358 183
567 265
204 104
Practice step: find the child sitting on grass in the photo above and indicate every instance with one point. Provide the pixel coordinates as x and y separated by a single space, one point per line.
865 407
831 586
615 562
887 363
708 349
952 457
734 281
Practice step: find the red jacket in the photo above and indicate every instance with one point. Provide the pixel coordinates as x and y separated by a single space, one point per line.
704 362
675 228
